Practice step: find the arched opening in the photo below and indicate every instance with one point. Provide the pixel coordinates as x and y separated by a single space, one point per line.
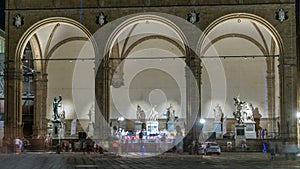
146 57
48 51
248 50
146 43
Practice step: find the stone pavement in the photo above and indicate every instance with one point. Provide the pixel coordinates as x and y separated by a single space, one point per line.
227 160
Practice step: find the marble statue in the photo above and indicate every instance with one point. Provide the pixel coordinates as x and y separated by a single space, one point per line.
238 113
170 113
91 112
153 114
248 112
138 113
218 113
244 111
143 116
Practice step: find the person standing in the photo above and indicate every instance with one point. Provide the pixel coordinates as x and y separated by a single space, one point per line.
17 145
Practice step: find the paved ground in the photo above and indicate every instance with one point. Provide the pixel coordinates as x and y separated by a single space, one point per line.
227 160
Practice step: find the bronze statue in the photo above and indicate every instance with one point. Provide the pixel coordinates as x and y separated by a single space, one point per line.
55 107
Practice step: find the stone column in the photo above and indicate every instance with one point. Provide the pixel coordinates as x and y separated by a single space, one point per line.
13 100
40 113
102 129
270 77
298 61
193 108
288 121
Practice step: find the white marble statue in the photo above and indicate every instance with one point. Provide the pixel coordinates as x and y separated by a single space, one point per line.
138 112
244 111
91 113
238 113
218 113
153 114
248 112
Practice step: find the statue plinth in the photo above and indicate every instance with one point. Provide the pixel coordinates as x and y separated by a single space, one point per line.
171 126
152 128
250 129
218 129
239 134
91 129
138 125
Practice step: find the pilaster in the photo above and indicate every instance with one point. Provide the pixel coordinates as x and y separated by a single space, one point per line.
40 112
193 114
13 100
288 129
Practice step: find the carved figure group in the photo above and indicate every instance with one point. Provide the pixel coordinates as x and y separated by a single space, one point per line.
244 111
248 112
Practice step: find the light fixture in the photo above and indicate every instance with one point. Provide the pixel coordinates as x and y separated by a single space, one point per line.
202 121
298 115
120 119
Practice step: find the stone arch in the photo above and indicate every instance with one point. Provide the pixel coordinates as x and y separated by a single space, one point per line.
40 63
145 17
30 32
181 43
247 16
261 46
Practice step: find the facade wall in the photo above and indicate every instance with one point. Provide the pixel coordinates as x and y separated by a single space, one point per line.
85 12
36 4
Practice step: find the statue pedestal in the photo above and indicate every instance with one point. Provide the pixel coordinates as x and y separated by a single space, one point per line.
50 128
250 129
55 128
239 134
91 129
218 129
137 125
171 126
152 128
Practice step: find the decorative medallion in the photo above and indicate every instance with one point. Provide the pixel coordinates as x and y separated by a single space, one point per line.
193 17
18 20
101 19
281 15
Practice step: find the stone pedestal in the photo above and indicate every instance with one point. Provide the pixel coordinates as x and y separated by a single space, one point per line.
91 129
171 126
239 134
56 131
137 125
152 128
50 128
218 130
250 130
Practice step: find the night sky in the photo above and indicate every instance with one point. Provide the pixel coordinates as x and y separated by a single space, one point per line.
2 18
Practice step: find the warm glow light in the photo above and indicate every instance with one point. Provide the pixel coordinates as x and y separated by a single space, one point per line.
298 114
202 121
120 119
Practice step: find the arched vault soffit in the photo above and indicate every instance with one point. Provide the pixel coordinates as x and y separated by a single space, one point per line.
137 29
49 34
241 27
